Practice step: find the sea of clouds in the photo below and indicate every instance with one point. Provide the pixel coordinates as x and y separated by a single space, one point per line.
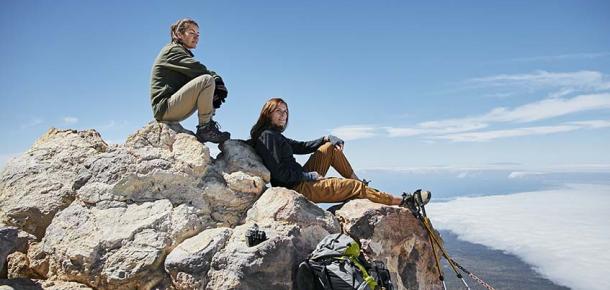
564 233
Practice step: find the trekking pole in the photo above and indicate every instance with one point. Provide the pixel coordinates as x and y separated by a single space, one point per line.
438 263
428 226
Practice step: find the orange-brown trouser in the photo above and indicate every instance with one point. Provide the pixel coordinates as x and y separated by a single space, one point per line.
336 189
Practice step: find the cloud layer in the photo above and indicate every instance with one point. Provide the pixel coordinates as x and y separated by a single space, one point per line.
563 233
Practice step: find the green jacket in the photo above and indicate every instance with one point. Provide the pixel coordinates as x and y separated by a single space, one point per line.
173 68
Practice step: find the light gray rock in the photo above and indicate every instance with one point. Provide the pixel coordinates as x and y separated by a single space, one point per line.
121 247
293 226
43 181
29 284
188 264
237 155
393 235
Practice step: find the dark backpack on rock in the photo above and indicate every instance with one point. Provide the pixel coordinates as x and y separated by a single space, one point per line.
336 264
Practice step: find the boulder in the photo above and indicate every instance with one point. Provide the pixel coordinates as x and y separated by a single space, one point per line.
44 180
29 284
394 236
293 226
189 263
238 156
118 247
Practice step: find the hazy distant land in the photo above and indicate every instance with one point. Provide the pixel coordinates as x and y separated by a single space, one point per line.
501 270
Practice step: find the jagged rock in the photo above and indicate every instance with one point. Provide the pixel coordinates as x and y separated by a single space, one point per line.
188 264
393 235
238 156
121 247
38 261
19 266
293 226
42 181
157 162
28 284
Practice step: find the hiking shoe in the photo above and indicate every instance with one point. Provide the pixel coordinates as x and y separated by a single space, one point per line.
416 199
210 132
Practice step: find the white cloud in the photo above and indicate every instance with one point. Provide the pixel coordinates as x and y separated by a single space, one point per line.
518 168
563 57
354 132
563 233
496 134
593 124
521 174
548 108
556 104
535 111
581 79
70 120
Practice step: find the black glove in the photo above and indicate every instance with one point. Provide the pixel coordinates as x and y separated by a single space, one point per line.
220 92
335 140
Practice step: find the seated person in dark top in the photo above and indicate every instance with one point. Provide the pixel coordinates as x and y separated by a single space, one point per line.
277 154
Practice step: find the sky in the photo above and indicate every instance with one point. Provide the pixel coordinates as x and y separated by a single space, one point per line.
520 84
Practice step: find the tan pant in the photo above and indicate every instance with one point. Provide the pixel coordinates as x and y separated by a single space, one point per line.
197 95
336 189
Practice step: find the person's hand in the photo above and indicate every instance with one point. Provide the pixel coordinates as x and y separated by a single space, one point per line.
336 141
220 92
313 175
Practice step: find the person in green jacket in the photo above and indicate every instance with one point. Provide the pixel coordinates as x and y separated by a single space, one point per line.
181 85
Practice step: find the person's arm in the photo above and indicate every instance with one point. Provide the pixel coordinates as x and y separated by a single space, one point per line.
306 147
179 60
269 148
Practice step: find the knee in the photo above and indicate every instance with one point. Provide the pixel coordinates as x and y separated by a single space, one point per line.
204 81
327 148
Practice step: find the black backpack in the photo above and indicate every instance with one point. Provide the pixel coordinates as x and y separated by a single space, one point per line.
337 264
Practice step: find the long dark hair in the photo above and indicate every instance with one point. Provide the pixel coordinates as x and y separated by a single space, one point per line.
264 119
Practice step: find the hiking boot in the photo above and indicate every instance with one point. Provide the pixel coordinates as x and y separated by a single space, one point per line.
416 199
366 182
210 132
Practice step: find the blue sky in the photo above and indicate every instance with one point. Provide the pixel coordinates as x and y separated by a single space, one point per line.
523 84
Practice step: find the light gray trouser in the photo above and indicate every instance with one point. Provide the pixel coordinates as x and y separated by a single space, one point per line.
197 95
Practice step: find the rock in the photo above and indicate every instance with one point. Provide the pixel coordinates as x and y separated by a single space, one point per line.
293 226
8 241
237 155
27 284
188 264
157 162
393 235
19 266
120 247
42 181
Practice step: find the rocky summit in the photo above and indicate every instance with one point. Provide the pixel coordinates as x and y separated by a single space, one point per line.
158 212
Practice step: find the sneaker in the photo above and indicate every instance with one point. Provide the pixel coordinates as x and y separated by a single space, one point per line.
210 132
416 199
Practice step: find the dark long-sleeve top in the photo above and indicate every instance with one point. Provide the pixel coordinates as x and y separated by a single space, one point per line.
278 152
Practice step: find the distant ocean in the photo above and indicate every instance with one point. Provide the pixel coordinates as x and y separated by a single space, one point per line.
558 223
